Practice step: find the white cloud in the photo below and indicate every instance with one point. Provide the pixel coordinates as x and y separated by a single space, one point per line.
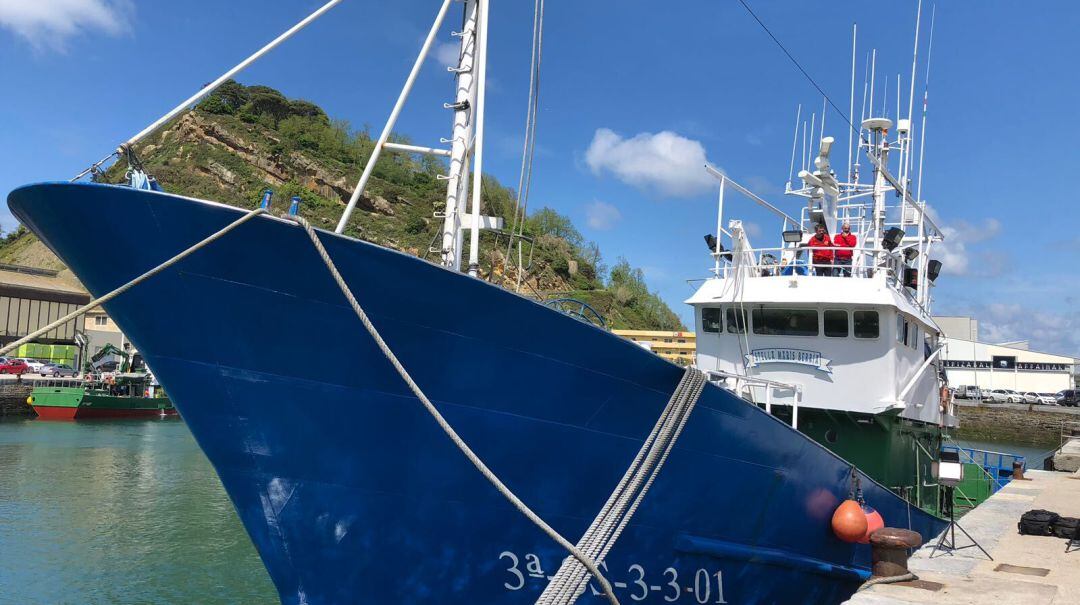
446 53
956 256
49 23
664 163
1046 331
601 215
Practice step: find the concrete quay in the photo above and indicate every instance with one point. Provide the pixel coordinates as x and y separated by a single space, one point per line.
1027 570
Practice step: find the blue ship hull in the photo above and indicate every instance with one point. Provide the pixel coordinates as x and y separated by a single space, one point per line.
352 494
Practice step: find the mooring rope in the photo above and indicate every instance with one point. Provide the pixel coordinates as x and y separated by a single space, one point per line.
571 579
588 563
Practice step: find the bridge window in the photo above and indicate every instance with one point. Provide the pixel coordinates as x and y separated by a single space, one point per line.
785 322
710 319
866 324
736 320
836 324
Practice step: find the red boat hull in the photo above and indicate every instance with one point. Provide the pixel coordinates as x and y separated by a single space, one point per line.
46 412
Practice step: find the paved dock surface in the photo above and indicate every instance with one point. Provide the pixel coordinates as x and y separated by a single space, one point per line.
1026 570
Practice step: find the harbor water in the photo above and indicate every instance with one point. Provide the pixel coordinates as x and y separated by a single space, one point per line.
118 512
131 512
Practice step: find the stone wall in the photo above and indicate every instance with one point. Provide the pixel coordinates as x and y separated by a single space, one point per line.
13 400
1014 423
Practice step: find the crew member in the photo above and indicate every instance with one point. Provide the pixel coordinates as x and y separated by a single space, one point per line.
822 254
844 242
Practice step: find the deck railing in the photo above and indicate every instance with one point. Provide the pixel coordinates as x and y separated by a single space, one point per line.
743 387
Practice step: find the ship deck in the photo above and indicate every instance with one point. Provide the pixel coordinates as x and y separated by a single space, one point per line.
1026 569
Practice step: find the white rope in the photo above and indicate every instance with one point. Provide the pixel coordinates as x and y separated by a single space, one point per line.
443 423
97 302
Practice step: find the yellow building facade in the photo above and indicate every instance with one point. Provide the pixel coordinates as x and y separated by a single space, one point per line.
679 347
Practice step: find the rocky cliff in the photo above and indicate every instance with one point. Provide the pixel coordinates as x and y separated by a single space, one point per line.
243 140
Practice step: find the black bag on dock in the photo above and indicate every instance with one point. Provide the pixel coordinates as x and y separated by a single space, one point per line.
1037 522
1066 527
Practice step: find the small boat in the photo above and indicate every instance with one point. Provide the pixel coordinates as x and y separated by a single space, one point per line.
116 396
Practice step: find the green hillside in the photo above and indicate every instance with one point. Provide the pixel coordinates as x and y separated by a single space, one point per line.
242 140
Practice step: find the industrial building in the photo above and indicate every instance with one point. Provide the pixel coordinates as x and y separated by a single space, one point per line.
1012 365
679 347
32 298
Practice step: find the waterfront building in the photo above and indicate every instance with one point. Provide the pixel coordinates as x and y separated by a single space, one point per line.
31 298
679 347
1010 365
102 330
1007 366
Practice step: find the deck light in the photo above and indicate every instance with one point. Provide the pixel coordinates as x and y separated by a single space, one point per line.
910 254
933 269
893 237
793 237
710 241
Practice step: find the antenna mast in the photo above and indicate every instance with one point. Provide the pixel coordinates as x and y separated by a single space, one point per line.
851 104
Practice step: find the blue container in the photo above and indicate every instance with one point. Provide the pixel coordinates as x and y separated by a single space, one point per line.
294 207
267 196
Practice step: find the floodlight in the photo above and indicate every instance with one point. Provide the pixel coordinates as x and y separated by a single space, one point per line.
933 269
911 278
948 470
892 238
910 254
710 241
793 237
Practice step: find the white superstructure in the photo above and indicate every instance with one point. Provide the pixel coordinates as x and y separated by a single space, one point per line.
781 329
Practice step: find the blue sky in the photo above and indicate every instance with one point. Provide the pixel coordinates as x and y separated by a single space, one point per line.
634 95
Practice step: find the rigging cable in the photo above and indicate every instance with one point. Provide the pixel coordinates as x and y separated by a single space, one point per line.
800 68
521 202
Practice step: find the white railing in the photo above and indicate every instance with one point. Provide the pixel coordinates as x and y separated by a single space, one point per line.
772 262
739 385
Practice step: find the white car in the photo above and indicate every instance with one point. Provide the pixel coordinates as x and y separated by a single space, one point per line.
1031 397
996 396
1047 399
1014 397
35 365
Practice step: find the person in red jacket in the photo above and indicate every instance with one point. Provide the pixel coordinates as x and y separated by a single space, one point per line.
822 254
844 242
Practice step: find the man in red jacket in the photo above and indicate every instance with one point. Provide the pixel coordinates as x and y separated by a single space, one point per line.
844 242
822 254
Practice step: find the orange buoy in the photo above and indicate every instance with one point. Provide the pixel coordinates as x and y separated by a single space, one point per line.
874 522
849 522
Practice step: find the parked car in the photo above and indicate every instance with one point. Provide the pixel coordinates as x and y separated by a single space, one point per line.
1047 399
1014 397
996 396
1070 397
1030 397
13 366
35 365
57 370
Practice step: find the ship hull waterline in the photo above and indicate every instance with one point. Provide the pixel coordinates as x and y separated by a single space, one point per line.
349 490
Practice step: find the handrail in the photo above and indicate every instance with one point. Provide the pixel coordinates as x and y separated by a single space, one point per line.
918 374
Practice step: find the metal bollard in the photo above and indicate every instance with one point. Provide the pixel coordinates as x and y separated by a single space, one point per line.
1018 471
890 551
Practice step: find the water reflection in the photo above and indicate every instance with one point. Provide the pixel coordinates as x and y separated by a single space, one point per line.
118 512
